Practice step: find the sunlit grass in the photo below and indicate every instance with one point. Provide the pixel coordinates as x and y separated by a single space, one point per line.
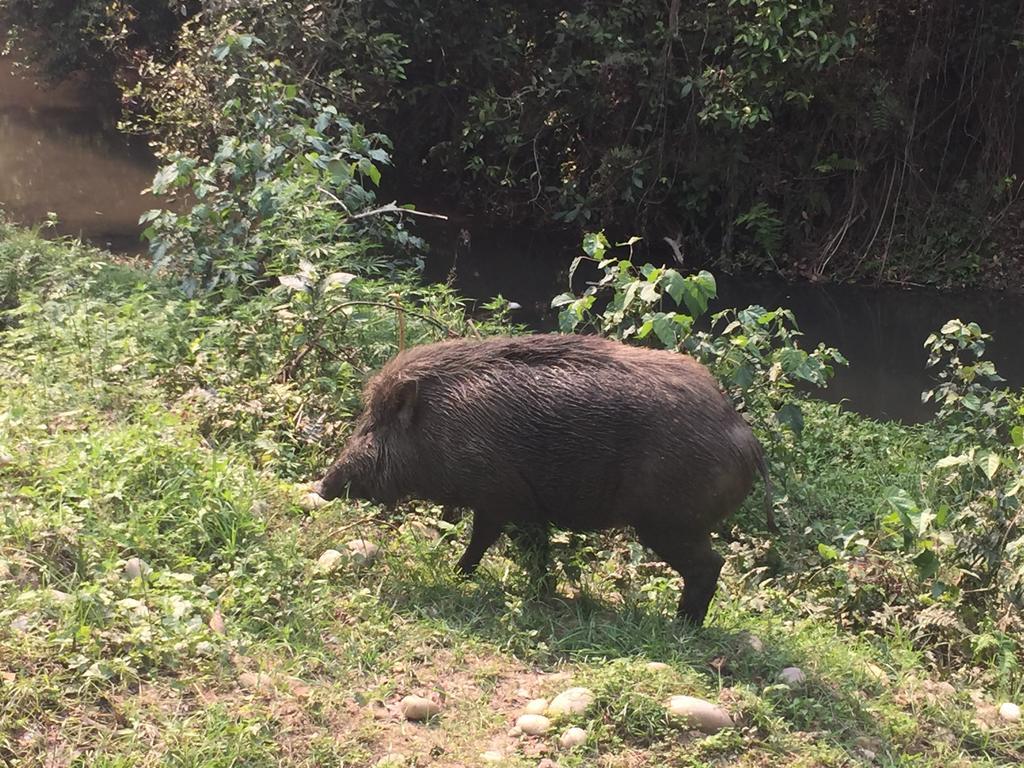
100 667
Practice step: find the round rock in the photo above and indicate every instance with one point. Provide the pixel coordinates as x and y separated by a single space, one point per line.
574 701
362 552
216 622
135 568
256 681
311 501
533 725
699 713
573 737
329 560
492 757
753 642
792 676
876 674
5 459
536 707
657 666
1010 712
418 708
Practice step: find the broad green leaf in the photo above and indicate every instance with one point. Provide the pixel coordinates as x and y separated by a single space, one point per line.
666 329
827 552
562 299
927 564
743 376
649 293
674 283
293 282
791 416
595 244
952 461
989 464
338 279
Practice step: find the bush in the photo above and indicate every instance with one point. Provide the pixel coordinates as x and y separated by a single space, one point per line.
754 352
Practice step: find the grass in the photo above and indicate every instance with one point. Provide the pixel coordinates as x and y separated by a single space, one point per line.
100 666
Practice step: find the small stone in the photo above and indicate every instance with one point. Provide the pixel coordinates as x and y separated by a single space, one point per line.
937 692
312 501
418 708
515 732
135 568
753 642
536 707
492 757
547 762
869 744
21 623
393 760
259 508
876 674
204 649
699 713
298 687
572 738
61 598
5 459
792 676
657 666
533 725
1010 712
574 701
217 622
329 561
422 530
362 552
256 681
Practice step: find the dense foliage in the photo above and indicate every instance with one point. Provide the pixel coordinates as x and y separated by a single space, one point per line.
830 139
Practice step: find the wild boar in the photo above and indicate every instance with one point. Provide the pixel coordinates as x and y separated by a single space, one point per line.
573 431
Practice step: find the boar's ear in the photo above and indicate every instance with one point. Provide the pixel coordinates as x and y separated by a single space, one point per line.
403 402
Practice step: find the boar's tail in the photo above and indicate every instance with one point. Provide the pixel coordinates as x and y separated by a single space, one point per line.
769 511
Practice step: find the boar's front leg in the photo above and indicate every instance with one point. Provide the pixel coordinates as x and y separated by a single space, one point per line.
486 530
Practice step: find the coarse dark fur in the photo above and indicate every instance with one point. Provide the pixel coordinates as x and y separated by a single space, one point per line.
573 431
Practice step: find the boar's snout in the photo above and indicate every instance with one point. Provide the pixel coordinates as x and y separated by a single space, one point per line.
353 473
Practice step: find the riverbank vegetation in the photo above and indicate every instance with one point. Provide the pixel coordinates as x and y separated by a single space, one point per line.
164 598
836 141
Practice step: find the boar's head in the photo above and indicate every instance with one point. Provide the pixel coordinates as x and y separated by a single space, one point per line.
379 456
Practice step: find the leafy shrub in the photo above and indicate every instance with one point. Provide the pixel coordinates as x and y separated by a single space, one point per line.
946 559
281 186
754 352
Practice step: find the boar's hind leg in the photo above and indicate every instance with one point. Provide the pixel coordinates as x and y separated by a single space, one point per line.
486 530
696 562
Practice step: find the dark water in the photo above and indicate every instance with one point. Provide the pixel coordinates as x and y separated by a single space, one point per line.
881 331
60 151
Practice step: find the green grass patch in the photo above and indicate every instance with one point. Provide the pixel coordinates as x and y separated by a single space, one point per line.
161 603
